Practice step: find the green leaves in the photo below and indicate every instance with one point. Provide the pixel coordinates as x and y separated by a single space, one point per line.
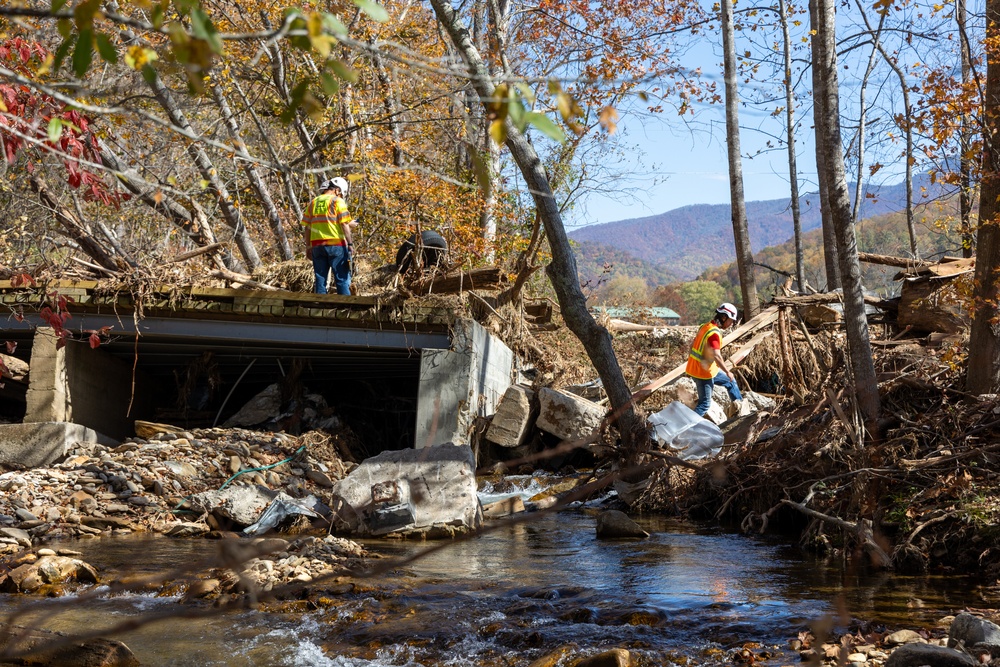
107 50
203 28
84 52
54 130
374 10
508 102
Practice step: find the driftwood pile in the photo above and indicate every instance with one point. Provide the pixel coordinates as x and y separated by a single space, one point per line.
920 497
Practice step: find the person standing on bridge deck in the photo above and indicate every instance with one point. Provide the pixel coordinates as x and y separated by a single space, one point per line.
705 363
329 243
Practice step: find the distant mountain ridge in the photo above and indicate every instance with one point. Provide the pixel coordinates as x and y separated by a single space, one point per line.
688 240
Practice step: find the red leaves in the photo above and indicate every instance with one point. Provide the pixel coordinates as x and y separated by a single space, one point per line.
21 280
49 125
98 336
11 346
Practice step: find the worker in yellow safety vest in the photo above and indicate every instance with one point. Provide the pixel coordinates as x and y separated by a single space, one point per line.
329 243
705 363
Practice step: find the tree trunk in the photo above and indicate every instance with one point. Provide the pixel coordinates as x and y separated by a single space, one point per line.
984 342
562 271
205 167
965 163
393 111
832 171
829 234
907 128
741 234
793 170
863 114
256 182
193 223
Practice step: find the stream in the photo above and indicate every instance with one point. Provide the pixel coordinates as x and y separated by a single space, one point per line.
686 595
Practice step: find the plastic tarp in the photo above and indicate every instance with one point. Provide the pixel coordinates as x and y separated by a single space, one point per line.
679 427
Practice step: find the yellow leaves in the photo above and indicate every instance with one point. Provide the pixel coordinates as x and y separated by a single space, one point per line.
138 57
608 119
568 107
321 42
498 132
882 6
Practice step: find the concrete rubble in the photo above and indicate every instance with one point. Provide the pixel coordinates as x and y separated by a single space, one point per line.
429 491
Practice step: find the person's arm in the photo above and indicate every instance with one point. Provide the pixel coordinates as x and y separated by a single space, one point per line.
345 221
307 231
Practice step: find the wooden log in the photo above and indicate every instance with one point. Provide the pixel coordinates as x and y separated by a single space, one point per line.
933 304
763 319
204 250
453 283
889 260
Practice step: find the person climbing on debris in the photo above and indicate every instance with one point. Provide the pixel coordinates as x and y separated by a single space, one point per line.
329 243
705 363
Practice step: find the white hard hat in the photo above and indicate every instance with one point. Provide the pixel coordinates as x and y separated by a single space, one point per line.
338 182
727 309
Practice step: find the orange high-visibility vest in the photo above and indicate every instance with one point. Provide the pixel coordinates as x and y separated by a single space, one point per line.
696 366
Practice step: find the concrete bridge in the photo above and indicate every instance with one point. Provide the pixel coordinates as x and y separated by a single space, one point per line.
399 373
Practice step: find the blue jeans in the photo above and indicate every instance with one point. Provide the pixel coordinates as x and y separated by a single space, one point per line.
327 257
705 391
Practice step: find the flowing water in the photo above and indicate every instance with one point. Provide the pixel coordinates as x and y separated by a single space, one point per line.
684 596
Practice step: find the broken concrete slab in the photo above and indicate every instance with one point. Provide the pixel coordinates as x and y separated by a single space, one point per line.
566 415
513 418
242 505
32 445
416 491
265 405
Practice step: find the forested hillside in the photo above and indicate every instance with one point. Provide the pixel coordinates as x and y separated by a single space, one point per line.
883 234
688 240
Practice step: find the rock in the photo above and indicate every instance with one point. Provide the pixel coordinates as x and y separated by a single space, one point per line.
918 655
12 367
181 469
48 570
613 524
265 405
200 588
502 508
46 552
320 478
616 657
971 631
513 417
89 653
235 464
552 659
84 501
25 515
422 488
567 416
17 534
106 523
186 529
903 637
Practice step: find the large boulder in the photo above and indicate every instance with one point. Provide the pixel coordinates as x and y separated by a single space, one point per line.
974 633
48 570
430 491
613 524
566 415
89 653
918 655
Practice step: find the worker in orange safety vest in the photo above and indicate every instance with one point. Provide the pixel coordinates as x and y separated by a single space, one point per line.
329 243
705 363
